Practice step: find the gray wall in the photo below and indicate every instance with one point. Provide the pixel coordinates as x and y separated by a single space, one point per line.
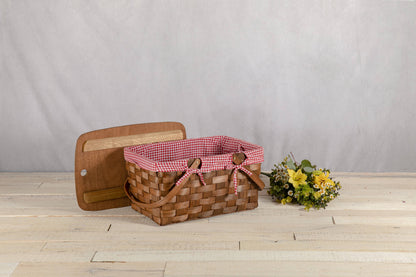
333 81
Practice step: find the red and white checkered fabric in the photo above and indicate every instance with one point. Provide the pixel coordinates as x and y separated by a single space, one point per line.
215 154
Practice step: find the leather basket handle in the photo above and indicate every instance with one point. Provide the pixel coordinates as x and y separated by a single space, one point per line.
239 158
167 198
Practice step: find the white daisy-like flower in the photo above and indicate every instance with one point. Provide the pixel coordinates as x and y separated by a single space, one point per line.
296 195
331 196
286 186
290 192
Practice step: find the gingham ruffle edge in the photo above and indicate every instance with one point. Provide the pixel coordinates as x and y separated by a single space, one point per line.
215 153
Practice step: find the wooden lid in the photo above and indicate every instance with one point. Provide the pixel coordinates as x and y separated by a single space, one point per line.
100 166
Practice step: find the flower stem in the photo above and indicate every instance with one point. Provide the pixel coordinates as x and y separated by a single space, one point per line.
293 157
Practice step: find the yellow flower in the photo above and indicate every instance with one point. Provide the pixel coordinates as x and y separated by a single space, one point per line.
323 181
321 178
297 178
330 183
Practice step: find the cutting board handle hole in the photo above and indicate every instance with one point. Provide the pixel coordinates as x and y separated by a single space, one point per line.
83 172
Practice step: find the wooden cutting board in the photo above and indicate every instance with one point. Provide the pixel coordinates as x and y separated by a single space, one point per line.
99 161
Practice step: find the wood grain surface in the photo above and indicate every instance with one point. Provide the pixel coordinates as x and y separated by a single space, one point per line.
99 154
370 230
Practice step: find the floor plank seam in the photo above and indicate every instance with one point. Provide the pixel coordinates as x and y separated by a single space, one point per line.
164 268
93 256
43 246
74 215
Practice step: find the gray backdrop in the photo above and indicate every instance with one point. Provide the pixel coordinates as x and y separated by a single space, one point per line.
333 81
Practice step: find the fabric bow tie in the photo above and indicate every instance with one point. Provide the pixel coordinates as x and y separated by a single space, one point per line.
190 171
235 179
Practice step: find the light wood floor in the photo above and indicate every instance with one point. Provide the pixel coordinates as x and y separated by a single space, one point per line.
370 230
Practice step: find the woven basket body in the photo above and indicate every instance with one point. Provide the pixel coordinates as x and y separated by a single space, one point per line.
194 200
193 178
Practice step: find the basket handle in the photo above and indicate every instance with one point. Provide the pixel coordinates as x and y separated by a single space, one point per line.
167 198
238 158
256 179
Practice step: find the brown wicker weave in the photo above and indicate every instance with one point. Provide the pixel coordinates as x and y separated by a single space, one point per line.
191 200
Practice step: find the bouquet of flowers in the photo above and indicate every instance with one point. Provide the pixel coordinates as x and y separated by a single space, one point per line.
302 183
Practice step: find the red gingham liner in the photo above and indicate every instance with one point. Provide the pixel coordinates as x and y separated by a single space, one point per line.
215 154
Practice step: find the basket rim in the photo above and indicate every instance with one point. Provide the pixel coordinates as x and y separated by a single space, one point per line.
139 154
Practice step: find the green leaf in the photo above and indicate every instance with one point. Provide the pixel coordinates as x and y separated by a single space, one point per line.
306 163
317 172
291 165
308 169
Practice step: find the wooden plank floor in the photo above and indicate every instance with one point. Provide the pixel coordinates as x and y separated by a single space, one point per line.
370 230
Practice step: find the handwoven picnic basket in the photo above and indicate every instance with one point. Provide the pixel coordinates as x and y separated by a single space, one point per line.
182 180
